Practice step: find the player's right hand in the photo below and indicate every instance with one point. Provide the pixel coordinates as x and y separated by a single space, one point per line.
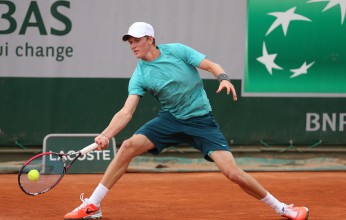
102 142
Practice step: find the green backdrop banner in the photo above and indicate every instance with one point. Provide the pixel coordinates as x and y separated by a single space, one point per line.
92 162
31 108
295 48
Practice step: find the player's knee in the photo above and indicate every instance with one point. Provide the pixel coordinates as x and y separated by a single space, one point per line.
235 176
126 150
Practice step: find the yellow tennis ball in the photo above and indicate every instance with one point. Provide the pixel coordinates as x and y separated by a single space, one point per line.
33 175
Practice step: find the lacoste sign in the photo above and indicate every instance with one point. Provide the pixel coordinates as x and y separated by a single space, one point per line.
92 162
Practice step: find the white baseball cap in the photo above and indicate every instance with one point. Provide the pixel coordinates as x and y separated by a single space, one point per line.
138 30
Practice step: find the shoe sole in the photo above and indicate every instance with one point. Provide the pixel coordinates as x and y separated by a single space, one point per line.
88 217
95 216
82 218
307 213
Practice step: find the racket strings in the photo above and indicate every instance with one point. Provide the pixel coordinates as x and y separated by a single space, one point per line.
51 168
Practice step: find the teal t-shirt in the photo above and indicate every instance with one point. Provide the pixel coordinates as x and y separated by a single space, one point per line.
173 80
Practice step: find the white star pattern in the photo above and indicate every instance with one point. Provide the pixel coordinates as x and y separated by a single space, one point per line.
333 3
284 19
268 60
301 70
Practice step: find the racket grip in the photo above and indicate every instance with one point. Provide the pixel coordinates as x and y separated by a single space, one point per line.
89 148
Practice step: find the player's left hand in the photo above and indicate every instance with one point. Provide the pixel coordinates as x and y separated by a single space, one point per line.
225 84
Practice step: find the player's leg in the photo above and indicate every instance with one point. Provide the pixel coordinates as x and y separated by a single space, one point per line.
227 165
90 208
225 162
154 136
130 148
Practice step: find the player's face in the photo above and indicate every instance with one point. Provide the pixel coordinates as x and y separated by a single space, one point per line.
139 46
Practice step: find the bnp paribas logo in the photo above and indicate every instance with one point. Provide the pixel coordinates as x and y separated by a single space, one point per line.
296 48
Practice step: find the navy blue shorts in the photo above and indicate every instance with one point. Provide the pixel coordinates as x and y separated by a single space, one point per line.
202 132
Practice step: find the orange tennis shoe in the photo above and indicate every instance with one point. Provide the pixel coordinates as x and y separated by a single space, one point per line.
86 210
295 213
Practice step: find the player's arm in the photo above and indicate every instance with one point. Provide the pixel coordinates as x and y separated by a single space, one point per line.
217 70
118 122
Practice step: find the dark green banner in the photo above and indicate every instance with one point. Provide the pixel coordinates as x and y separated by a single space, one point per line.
31 108
92 162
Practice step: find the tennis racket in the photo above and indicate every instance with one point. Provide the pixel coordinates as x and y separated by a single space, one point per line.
45 170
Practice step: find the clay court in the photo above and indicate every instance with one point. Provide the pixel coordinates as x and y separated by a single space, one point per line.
190 196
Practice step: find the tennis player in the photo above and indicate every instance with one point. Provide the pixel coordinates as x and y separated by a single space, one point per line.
169 73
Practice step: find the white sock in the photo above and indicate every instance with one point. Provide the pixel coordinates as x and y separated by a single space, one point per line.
99 193
273 202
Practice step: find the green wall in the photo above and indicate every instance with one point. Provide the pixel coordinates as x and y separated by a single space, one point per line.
31 108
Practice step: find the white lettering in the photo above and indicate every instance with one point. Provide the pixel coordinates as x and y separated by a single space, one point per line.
70 157
342 121
325 122
82 157
107 154
95 155
90 156
98 154
330 122
312 119
51 158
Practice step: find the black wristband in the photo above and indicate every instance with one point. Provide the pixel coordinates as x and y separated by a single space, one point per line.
223 76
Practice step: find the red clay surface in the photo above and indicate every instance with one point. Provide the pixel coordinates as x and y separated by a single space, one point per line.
191 196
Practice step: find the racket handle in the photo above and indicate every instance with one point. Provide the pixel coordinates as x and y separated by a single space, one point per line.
89 148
